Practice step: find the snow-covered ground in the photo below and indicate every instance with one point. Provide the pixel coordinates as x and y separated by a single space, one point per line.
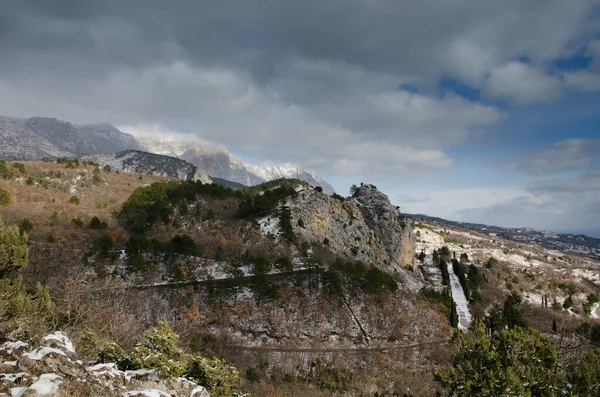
462 306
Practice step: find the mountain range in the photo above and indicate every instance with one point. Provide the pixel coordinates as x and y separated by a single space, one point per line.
39 137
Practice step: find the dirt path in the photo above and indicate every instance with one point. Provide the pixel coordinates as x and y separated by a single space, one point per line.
339 349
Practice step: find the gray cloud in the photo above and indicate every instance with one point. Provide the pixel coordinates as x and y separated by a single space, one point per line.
554 204
570 154
311 81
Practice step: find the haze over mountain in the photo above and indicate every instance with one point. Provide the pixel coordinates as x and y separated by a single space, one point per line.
220 163
39 137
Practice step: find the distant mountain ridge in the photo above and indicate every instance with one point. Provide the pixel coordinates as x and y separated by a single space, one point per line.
567 242
39 137
219 163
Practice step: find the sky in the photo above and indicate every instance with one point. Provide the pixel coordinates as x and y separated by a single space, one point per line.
472 110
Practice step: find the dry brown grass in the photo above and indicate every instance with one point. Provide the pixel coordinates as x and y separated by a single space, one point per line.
52 187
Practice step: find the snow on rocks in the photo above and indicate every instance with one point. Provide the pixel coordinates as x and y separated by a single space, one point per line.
52 368
58 340
269 226
46 385
12 349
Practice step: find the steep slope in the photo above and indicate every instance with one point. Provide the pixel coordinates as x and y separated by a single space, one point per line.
39 137
219 163
150 164
17 142
366 227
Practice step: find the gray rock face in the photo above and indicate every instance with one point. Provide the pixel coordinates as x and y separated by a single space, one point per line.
150 164
366 227
39 137
386 222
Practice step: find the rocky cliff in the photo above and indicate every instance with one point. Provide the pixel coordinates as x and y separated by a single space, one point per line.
365 227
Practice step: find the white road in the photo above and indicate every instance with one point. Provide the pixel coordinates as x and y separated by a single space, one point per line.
462 306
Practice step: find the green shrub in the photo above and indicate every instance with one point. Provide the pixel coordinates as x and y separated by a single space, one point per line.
104 244
5 198
518 360
329 376
283 264
77 222
97 224
5 171
98 350
568 302
158 349
220 379
74 200
13 249
25 226
252 375
183 244
20 167
23 313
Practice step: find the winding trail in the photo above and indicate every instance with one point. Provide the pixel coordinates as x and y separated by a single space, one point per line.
339 349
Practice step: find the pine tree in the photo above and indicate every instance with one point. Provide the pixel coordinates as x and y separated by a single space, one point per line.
13 249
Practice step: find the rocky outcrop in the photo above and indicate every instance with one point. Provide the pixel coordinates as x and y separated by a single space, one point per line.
53 369
365 227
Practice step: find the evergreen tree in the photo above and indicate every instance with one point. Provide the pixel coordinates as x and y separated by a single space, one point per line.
516 362
13 249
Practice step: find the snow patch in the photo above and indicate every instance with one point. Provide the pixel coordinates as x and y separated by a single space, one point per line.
269 225
40 352
11 347
61 340
18 391
46 385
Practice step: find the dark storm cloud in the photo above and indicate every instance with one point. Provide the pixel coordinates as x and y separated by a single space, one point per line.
309 81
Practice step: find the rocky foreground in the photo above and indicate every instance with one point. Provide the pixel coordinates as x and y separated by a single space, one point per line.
53 368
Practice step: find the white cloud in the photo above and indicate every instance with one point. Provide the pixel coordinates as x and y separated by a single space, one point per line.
582 80
521 83
381 133
556 204
570 154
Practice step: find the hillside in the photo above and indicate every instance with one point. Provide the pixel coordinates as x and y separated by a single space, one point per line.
305 293
150 164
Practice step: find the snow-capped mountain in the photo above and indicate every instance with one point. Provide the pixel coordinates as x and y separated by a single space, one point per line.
219 163
150 164
38 137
